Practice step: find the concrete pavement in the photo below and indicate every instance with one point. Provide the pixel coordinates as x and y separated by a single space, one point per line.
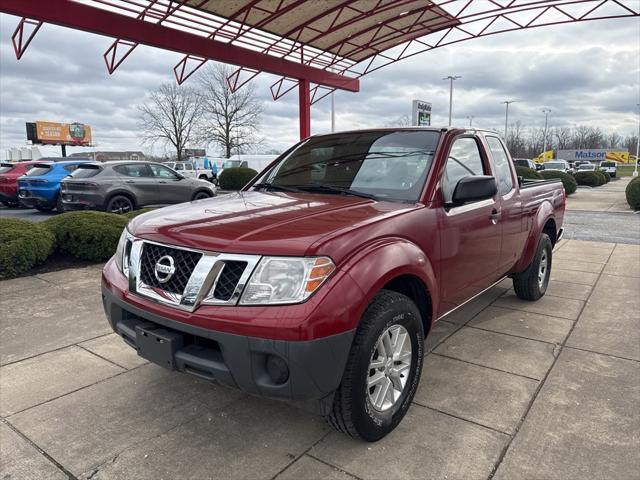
510 390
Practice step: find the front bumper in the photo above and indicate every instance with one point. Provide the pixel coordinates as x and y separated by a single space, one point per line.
315 367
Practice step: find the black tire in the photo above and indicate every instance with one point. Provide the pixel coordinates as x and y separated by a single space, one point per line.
44 208
11 204
532 283
353 412
59 204
119 204
201 195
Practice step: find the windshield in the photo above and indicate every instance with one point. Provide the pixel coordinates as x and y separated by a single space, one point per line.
552 165
521 163
6 167
85 171
385 165
608 164
586 166
39 169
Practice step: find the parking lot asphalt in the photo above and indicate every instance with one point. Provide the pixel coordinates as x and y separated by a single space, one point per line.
510 390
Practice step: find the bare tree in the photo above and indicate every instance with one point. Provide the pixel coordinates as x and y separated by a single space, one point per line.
231 119
170 116
402 121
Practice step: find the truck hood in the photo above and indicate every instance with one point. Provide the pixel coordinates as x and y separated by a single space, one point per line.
261 223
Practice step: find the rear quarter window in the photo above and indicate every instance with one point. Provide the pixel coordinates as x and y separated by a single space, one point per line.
38 170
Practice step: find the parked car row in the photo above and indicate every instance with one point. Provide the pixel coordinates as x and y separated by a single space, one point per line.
568 167
81 184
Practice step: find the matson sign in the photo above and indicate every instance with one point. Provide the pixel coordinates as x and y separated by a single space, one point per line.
593 155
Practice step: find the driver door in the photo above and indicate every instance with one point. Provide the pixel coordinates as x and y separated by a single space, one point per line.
170 187
469 233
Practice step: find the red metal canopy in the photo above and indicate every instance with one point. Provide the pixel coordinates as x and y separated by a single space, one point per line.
317 45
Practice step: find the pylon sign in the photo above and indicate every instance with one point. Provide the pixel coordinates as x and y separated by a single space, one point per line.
421 115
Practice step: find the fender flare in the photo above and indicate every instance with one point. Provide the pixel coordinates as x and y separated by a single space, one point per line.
543 215
383 260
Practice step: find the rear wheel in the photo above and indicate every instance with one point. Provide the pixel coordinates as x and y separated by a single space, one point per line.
532 283
383 369
201 195
59 204
44 208
119 204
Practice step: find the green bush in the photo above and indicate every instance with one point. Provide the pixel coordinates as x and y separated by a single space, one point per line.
601 176
528 173
569 183
23 244
135 213
235 178
632 192
607 177
589 179
87 235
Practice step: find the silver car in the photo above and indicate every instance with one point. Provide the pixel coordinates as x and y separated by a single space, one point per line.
120 187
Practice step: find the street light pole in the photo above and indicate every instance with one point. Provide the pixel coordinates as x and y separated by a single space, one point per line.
470 117
546 112
506 116
635 169
451 78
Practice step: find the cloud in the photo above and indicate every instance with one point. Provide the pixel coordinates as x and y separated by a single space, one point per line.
587 73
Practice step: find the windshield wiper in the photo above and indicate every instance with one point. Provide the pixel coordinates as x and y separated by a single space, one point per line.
334 189
271 186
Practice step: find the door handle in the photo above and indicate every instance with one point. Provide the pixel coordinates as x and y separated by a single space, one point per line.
495 216
162 181
129 181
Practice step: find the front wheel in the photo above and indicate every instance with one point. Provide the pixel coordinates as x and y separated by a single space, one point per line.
533 282
201 195
44 208
383 369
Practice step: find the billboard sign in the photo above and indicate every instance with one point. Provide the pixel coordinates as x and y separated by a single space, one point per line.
421 113
194 152
54 133
594 155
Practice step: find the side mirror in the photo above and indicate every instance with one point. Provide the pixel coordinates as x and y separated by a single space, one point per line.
180 176
474 188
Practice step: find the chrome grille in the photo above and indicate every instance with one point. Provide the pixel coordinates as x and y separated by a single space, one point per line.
228 279
185 262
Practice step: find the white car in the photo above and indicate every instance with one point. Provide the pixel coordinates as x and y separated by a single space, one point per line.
610 167
587 167
187 169
558 165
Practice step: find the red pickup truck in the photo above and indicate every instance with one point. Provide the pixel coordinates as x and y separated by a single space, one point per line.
320 280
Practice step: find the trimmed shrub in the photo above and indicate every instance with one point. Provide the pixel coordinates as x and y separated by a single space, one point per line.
569 183
23 244
632 192
87 235
601 176
607 177
135 213
589 179
235 178
528 173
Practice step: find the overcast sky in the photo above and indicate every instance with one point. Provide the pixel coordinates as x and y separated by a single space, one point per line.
587 73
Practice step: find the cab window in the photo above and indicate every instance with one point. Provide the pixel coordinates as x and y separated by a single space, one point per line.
501 165
188 166
464 160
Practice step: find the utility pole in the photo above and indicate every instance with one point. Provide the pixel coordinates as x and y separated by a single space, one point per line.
470 117
451 78
546 112
506 116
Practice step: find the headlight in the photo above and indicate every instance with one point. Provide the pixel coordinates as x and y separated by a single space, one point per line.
280 280
123 251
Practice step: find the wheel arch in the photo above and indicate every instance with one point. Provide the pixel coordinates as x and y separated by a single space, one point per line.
543 222
400 266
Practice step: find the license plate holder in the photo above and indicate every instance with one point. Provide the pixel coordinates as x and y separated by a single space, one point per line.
158 345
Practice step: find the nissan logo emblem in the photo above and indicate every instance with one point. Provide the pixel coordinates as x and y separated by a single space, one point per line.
164 269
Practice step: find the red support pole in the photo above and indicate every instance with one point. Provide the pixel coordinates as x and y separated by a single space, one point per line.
305 108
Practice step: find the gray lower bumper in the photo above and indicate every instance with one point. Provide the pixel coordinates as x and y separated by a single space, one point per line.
315 366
